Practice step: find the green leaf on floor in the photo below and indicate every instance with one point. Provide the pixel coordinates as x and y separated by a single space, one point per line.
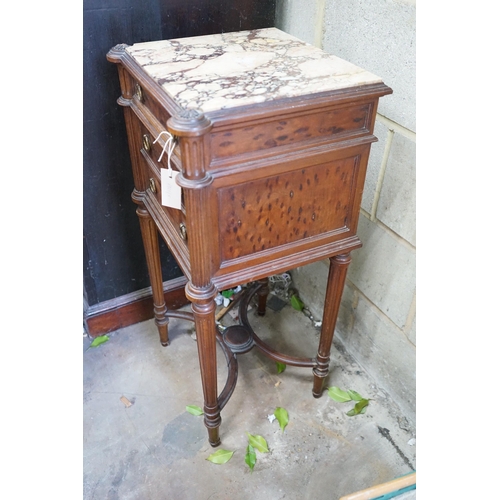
220 456
250 457
281 367
258 442
296 303
194 410
358 408
354 395
99 340
282 417
337 394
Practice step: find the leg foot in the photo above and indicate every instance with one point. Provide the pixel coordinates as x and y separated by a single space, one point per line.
212 423
161 322
213 436
320 372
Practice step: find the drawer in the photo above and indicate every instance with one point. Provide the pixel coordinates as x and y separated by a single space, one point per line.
148 104
152 172
155 150
291 131
176 217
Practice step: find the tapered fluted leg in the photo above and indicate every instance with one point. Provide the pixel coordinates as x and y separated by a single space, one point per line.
152 249
262 296
203 305
335 286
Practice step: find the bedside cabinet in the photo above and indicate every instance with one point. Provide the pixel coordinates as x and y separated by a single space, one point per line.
249 153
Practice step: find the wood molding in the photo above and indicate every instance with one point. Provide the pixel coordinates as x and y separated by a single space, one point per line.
131 308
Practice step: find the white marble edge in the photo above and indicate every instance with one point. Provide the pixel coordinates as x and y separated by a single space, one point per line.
216 72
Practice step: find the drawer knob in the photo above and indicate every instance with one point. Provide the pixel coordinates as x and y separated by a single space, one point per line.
183 230
146 142
152 185
138 92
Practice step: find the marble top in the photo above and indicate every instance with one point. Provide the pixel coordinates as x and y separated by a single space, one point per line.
214 72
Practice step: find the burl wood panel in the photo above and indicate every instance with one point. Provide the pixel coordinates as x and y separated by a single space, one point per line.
338 122
280 209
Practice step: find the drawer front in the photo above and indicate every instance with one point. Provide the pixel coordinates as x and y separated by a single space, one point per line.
149 104
306 129
158 151
177 217
151 153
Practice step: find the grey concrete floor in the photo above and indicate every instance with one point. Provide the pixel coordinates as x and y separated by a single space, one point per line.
155 450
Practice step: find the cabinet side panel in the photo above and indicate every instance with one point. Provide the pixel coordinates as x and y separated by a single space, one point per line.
280 209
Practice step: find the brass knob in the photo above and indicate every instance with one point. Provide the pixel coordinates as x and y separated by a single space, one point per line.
183 230
146 142
138 91
152 185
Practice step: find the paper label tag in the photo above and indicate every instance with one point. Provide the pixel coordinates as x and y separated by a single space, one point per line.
170 191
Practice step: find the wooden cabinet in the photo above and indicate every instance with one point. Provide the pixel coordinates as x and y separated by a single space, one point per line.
272 138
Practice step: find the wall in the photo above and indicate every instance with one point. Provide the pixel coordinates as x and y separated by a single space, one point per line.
377 318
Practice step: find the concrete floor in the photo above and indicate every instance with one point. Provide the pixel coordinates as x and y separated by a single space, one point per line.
155 450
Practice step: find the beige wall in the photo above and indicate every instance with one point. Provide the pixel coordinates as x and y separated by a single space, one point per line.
377 318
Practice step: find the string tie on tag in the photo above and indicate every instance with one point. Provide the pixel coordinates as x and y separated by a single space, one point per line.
169 147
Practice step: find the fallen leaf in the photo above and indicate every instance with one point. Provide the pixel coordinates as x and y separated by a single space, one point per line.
194 410
220 456
338 395
282 416
258 442
355 396
281 367
99 340
250 457
296 303
358 408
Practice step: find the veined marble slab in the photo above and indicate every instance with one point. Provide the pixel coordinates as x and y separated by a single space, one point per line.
226 70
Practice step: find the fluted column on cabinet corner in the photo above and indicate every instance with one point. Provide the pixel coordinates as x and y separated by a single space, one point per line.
191 128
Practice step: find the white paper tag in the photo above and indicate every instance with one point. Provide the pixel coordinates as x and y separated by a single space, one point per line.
170 191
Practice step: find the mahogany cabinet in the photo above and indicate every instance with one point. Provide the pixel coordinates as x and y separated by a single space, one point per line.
249 153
